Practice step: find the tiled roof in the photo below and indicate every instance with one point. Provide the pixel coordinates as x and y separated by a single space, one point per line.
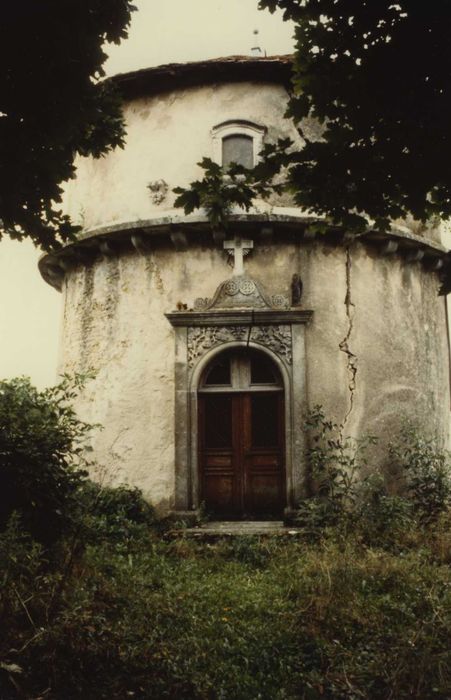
172 76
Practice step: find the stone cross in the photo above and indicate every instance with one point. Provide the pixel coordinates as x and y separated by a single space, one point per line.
239 247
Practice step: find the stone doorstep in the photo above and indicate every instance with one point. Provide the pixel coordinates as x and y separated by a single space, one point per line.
248 528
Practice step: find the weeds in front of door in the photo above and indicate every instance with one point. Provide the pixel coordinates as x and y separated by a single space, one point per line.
381 504
247 619
108 608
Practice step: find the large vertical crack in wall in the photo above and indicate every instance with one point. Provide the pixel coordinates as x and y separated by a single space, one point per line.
351 358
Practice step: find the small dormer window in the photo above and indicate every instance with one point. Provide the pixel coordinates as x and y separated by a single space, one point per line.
237 142
238 148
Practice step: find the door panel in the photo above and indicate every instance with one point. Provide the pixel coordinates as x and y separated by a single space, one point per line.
219 493
219 483
264 485
241 456
219 474
263 464
264 420
218 421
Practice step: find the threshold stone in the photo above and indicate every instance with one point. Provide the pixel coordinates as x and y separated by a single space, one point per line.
240 528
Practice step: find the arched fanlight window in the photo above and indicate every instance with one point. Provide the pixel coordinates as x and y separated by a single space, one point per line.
241 370
237 142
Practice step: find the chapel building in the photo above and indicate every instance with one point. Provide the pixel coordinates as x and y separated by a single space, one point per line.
205 350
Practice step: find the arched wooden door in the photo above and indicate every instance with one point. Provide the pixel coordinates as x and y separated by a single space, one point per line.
241 437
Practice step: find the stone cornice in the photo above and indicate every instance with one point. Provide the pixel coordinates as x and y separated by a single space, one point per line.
237 317
171 220
277 223
285 218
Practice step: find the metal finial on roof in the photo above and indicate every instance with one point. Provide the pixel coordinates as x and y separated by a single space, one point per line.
257 50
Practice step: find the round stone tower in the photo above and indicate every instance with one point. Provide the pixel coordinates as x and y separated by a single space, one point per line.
207 351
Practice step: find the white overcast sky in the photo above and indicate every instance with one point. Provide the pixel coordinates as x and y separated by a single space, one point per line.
161 32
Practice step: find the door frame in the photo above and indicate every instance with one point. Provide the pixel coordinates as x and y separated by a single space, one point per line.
196 377
198 337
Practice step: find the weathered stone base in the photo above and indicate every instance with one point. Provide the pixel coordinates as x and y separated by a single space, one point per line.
190 518
241 528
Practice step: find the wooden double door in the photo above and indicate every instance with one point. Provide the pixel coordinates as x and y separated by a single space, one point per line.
241 455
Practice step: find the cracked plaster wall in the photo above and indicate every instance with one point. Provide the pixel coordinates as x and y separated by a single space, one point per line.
167 135
400 341
114 324
387 314
392 326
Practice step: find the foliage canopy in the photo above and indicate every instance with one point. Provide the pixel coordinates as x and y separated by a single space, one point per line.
377 75
373 78
53 106
221 188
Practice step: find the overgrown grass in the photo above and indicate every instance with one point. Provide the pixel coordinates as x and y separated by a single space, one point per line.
141 616
97 603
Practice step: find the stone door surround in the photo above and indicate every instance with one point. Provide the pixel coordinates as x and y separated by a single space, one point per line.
199 337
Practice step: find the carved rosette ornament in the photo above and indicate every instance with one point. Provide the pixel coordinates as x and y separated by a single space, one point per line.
241 292
202 304
278 301
238 293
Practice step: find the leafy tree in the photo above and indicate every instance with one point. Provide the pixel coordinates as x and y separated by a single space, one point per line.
53 106
221 188
378 77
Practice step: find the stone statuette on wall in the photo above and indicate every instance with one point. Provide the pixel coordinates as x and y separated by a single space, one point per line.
158 190
296 290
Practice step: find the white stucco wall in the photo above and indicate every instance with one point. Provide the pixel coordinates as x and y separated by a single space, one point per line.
114 323
166 136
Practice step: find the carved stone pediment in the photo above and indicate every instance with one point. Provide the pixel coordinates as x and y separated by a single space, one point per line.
241 292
